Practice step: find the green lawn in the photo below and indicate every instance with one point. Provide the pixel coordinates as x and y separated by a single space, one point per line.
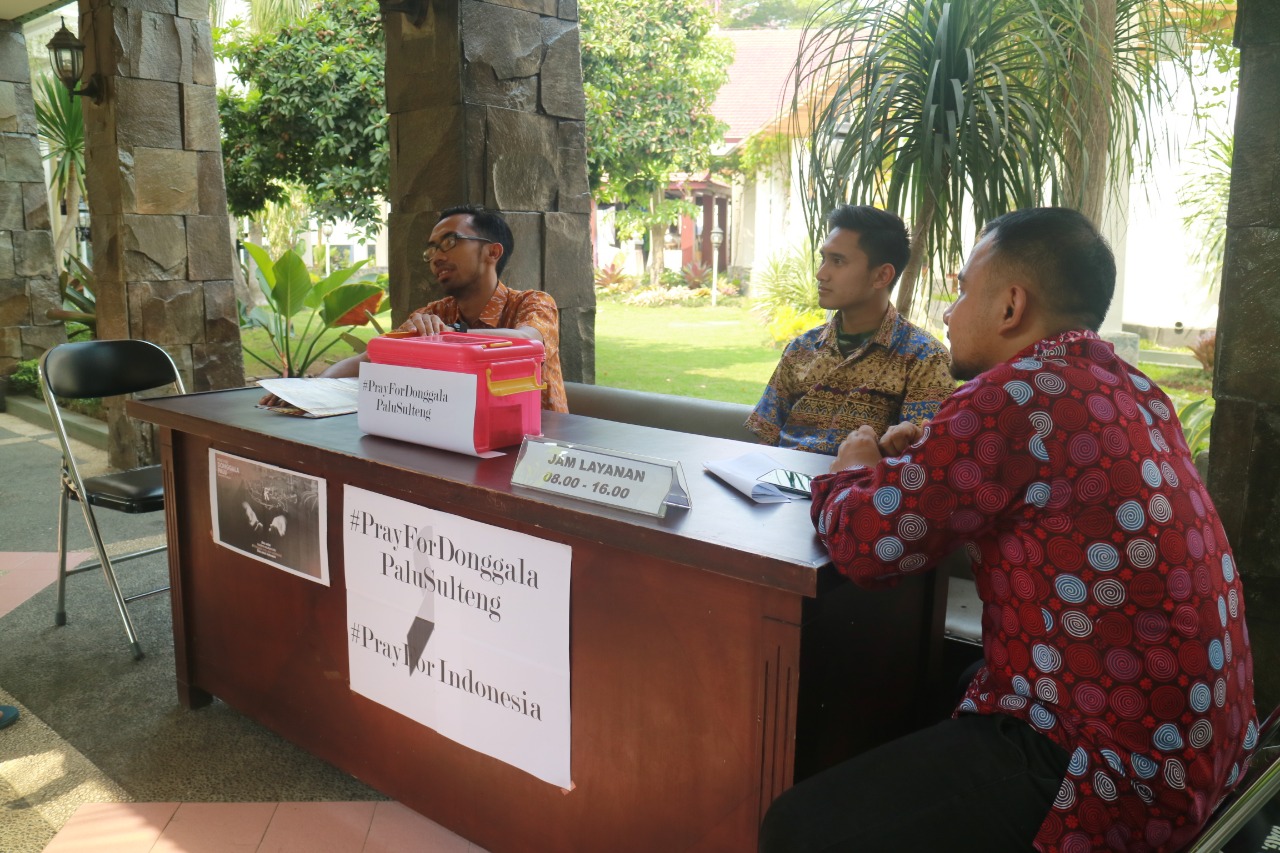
715 354
719 353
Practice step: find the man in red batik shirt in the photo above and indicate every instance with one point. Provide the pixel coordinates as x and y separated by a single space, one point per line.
1115 707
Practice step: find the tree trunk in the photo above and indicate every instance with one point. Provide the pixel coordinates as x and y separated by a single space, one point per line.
919 230
657 240
70 221
1090 109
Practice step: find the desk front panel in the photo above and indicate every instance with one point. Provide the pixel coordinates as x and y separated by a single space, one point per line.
685 676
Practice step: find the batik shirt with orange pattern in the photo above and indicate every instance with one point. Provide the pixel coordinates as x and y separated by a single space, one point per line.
511 309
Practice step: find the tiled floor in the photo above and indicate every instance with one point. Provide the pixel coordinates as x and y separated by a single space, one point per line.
360 827
119 827
250 827
123 827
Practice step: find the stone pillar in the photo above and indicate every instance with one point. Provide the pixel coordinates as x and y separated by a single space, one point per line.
1244 463
28 280
162 251
486 107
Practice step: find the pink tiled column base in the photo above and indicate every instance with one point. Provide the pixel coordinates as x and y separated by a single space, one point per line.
24 573
361 827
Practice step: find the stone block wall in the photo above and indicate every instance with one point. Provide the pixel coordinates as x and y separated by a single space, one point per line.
28 280
1244 463
486 108
162 244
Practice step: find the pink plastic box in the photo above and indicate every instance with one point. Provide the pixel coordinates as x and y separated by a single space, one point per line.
509 391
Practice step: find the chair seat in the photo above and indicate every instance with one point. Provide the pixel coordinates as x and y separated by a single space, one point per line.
135 490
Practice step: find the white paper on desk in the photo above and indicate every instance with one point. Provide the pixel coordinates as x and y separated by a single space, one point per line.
317 397
743 473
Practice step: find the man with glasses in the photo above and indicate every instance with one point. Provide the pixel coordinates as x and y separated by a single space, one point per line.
467 251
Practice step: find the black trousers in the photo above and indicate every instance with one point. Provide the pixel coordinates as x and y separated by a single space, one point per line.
981 783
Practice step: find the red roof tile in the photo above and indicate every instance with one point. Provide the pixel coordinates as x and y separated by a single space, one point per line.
759 86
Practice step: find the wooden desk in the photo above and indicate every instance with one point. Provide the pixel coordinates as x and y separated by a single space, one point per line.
700 642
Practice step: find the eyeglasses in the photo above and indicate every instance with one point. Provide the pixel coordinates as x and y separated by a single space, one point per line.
447 242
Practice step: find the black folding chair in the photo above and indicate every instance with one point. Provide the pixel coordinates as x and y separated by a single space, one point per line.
1238 824
104 369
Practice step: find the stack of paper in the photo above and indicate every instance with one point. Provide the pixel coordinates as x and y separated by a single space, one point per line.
743 473
319 397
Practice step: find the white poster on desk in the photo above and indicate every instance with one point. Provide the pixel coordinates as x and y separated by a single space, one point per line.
463 627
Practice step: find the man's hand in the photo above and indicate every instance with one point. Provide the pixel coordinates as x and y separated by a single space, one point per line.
252 517
899 437
424 324
858 448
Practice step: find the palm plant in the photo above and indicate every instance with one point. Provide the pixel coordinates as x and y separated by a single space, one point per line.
1204 197
61 128
923 105
938 109
264 15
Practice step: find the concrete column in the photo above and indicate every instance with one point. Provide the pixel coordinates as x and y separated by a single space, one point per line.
162 250
28 280
1244 464
486 107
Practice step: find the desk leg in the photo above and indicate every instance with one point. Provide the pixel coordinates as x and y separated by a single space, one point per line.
188 696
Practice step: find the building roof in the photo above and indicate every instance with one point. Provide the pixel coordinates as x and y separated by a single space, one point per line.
759 86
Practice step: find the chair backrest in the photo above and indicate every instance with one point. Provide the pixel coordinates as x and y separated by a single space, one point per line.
665 411
107 368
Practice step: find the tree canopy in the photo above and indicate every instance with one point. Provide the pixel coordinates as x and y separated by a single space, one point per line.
312 112
744 14
651 71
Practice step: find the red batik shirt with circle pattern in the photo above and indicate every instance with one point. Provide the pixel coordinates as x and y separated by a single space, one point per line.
1113 616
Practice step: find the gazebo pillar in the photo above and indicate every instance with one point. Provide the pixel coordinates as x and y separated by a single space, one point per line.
28 280
1244 464
162 251
487 108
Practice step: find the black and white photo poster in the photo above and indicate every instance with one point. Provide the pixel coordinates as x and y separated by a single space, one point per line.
463 627
271 514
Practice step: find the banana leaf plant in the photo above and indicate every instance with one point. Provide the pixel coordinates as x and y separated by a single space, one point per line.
300 314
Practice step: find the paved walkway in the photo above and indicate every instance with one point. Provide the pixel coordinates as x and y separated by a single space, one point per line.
56 800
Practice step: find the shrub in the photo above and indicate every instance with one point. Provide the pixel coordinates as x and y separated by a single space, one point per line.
786 281
695 275
1196 418
1203 349
26 379
787 323
668 296
612 279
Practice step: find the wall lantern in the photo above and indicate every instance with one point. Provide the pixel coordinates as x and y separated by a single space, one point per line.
66 54
414 10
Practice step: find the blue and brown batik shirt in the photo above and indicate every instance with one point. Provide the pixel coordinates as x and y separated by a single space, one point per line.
816 396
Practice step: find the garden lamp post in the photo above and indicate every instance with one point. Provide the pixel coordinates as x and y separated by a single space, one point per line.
327 230
717 240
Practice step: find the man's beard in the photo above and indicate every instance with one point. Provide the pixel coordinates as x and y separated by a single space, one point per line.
963 372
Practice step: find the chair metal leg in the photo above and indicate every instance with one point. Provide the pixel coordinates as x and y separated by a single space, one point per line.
109 573
60 614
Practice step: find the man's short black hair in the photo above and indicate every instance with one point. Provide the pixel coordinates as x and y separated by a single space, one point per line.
881 235
488 224
1064 254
